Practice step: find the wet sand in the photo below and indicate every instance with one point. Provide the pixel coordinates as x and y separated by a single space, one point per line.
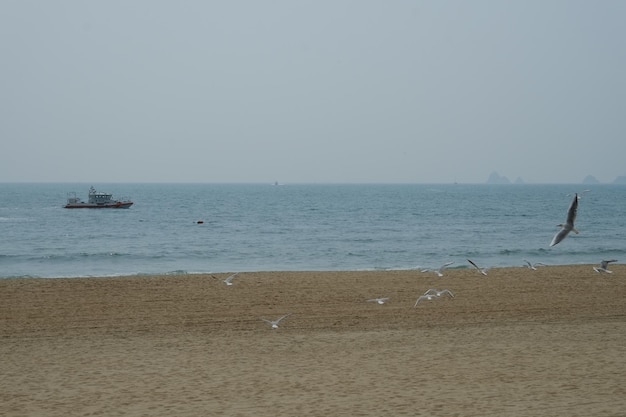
516 342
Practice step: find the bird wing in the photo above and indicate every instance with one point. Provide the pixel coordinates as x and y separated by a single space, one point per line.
475 266
447 264
571 211
605 263
282 317
559 236
230 277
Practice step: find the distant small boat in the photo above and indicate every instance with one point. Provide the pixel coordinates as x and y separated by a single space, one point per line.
96 200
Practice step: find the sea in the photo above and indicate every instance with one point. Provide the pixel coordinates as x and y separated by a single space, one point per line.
214 228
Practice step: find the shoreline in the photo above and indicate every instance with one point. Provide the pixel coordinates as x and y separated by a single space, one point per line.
310 270
516 342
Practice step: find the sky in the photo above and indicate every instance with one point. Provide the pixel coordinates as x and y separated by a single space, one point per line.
297 91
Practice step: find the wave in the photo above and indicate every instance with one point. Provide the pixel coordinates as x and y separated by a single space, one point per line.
16 219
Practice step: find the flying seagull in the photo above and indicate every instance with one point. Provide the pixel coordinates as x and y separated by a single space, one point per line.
604 266
424 297
380 300
439 271
439 293
274 323
229 279
534 266
569 223
580 194
481 270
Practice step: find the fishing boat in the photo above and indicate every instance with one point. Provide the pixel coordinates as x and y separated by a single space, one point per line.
96 200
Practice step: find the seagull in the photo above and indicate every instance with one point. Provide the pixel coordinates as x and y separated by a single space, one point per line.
569 223
274 323
439 271
229 279
380 300
580 194
439 293
603 266
481 270
424 297
533 266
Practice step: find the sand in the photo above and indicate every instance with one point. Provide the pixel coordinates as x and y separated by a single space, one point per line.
517 342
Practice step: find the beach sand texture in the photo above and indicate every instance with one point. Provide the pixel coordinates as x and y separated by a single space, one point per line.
517 342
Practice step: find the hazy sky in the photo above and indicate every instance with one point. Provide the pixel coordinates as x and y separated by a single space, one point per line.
312 91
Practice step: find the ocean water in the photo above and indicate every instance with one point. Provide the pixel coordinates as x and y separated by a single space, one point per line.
266 227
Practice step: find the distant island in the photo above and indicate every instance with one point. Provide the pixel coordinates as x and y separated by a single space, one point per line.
590 179
495 178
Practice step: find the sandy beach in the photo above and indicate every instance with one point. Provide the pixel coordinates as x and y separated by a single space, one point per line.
517 342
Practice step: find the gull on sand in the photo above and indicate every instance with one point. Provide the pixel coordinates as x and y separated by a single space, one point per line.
568 226
481 270
380 300
439 271
534 266
604 266
274 323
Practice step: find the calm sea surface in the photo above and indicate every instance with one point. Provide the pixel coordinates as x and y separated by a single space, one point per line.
259 227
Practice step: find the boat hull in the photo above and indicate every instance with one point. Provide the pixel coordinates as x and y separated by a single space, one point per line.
112 205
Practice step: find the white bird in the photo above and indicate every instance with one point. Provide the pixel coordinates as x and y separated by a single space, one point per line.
380 300
580 194
439 271
229 279
424 297
274 323
534 266
569 222
604 266
481 270
439 293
